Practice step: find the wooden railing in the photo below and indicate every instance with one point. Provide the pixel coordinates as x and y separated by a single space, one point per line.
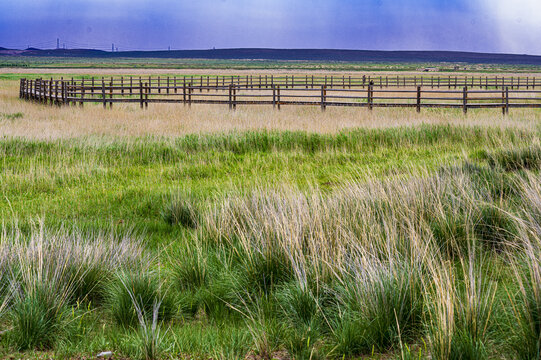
233 92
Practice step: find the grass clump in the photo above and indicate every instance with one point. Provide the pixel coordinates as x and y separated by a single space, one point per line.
514 159
12 116
181 211
38 318
263 271
51 272
460 307
133 292
494 227
381 303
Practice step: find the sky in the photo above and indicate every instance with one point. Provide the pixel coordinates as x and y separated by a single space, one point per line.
499 26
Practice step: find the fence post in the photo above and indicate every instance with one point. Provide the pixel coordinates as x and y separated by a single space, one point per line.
369 95
278 103
465 100
141 105
418 99
63 93
81 103
230 96
503 102
273 97
184 92
111 95
323 97
37 90
507 100
148 90
103 93
44 92
190 94
56 93
51 99
234 98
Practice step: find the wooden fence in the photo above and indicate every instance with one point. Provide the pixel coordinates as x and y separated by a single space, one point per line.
232 91
315 81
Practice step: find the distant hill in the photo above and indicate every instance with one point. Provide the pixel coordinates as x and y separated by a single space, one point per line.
295 54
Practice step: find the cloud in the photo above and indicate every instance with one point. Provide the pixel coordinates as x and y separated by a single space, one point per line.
516 23
469 25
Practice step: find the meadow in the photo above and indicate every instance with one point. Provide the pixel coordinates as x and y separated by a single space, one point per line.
203 233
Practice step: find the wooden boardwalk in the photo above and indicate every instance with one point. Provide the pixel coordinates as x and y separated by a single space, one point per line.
323 91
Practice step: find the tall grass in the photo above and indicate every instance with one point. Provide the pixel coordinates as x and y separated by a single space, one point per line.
51 271
375 266
526 304
405 259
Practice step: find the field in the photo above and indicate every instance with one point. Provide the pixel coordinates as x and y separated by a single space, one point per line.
204 233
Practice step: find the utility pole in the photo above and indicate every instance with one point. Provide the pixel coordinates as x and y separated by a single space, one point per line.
169 48
57 43
112 47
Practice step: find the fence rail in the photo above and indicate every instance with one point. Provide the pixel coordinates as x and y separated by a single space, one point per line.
279 91
315 81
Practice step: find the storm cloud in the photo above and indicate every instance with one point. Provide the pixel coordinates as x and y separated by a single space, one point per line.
475 25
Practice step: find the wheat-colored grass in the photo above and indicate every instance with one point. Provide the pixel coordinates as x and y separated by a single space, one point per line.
47 122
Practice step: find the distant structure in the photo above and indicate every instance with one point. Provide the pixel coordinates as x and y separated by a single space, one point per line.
57 43
112 47
429 69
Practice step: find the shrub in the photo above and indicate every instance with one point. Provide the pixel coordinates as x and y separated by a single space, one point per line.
133 291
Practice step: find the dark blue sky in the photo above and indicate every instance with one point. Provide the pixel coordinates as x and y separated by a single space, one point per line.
474 25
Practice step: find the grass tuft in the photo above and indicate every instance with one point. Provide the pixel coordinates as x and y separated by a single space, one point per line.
181 211
133 292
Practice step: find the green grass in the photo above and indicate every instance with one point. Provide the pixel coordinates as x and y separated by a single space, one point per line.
125 183
365 243
158 63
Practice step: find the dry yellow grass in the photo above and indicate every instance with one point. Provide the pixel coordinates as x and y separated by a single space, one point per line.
46 122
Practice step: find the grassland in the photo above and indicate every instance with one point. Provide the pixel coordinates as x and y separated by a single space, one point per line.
207 64
201 233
